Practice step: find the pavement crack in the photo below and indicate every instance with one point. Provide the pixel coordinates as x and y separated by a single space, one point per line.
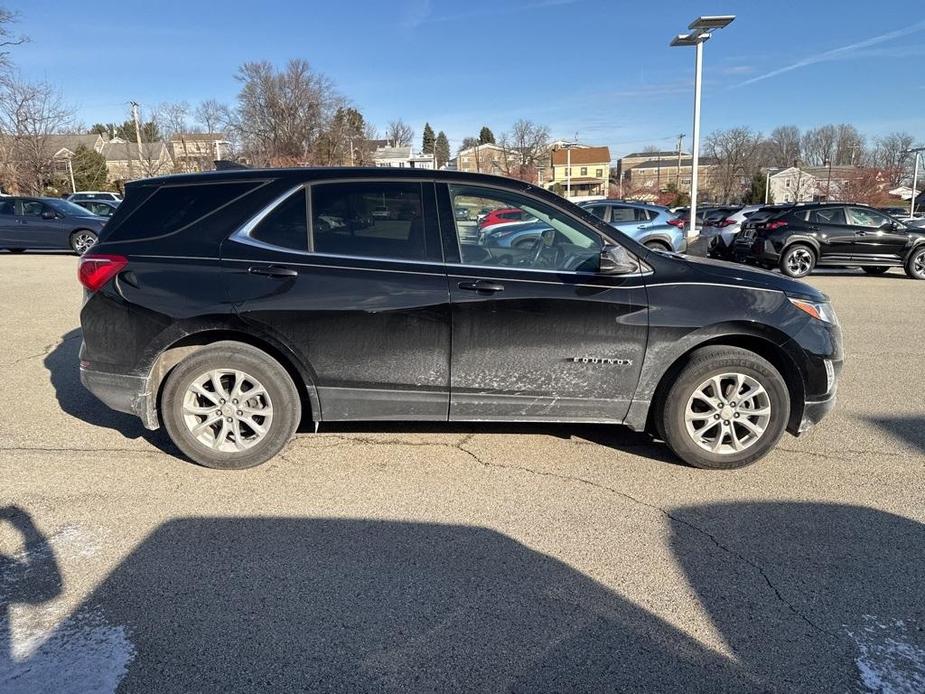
44 353
42 449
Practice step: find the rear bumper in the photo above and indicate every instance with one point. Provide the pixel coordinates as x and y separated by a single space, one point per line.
123 393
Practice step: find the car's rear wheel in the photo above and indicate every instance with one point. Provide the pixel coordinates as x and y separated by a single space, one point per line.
82 241
876 270
658 246
798 260
915 264
230 406
726 409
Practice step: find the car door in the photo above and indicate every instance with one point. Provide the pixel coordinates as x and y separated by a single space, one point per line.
876 236
537 333
831 229
361 299
39 226
631 221
9 224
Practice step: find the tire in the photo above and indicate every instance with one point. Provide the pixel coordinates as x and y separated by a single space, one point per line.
729 364
798 260
915 263
279 394
82 241
657 246
875 270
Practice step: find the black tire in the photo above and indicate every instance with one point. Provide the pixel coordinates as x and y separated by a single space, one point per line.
658 246
797 260
915 263
703 365
281 391
82 241
875 270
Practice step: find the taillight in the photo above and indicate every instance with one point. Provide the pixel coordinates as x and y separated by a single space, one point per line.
676 222
726 222
771 226
95 270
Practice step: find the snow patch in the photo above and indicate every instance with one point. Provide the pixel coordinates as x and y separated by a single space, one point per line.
887 661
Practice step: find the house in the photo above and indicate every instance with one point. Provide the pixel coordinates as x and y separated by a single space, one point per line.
655 175
902 192
792 184
580 171
402 158
840 182
488 158
124 163
197 151
634 159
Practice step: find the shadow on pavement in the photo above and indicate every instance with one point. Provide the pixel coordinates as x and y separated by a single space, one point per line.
63 364
908 429
283 604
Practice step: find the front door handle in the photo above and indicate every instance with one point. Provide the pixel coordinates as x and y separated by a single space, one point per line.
482 286
272 271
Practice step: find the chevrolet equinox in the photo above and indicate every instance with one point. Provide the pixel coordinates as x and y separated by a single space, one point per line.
227 306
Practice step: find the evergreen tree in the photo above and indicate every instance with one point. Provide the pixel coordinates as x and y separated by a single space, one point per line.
441 149
89 169
486 136
427 145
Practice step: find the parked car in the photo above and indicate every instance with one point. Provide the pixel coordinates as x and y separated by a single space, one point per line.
721 227
504 216
101 208
94 195
217 308
46 223
799 238
895 212
651 225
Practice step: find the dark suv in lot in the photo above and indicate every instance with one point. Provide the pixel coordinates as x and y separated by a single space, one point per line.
46 224
228 306
796 239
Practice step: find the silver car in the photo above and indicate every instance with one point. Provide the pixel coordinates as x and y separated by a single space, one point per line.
719 231
652 225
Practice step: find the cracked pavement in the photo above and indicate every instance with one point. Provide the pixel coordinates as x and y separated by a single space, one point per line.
412 557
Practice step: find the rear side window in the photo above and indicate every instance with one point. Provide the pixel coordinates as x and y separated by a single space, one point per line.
375 220
287 225
827 215
622 214
172 208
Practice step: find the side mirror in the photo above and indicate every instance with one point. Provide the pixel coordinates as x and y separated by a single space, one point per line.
616 260
549 237
48 214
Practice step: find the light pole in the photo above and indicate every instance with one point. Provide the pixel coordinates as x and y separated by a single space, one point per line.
700 31
828 182
915 178
567 146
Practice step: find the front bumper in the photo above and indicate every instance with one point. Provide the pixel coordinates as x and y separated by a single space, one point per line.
123 393
814 411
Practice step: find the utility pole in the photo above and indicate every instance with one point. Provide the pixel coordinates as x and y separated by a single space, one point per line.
70 170
137 133
677 182
915 178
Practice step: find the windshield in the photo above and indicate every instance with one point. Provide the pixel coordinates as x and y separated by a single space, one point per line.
67 207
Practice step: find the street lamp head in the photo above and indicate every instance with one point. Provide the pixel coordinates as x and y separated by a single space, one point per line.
689 39
711 22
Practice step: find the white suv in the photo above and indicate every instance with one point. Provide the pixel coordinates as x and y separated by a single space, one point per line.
94 195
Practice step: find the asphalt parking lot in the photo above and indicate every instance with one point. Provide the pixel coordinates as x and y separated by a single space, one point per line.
447 558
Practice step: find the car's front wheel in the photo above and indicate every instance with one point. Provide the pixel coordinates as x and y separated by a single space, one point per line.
658 246
798 260
726 409
230 406
915 264
82 241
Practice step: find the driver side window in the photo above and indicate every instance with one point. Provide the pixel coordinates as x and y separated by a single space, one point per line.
858 216
542 239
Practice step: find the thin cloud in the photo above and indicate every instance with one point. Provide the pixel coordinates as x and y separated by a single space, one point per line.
421 12
738 70
838 53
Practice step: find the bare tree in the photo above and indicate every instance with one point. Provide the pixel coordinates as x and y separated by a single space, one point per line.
212 115
736 153
891 155
399 133
7 38
281 114
30 112
174 125
838 144
526 149
782 148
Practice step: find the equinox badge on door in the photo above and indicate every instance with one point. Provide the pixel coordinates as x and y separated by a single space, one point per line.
604 361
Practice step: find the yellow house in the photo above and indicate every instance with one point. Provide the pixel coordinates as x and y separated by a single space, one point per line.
581 171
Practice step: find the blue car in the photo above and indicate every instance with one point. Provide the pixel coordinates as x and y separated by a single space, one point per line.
48 224
652 225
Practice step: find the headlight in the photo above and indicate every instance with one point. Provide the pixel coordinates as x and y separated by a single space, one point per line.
819 310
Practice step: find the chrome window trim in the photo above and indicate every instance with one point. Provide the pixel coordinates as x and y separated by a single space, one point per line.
243 234
344 267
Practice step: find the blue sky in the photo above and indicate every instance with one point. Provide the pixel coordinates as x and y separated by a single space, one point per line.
601 69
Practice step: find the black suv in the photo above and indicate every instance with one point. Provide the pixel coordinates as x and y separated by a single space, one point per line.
230 305
796 239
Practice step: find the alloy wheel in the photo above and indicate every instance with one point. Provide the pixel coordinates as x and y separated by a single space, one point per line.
800 261
728 413
918 264
227 410
83 242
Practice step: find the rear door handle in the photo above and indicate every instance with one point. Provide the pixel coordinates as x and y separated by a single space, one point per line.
272 271
482 286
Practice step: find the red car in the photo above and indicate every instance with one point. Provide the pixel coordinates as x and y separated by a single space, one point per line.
504 215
